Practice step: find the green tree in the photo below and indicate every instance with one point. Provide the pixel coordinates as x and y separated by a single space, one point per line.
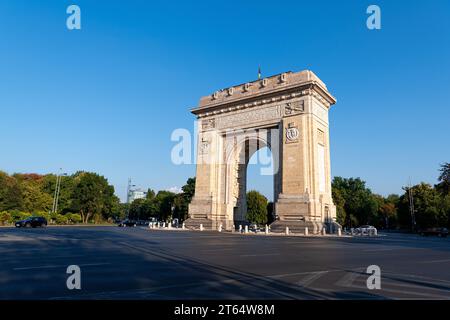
182 200
444 179
92 196
135 210
164 200
388 213
34 197
427 203
150 194
10 193
339 202
359 205
256 207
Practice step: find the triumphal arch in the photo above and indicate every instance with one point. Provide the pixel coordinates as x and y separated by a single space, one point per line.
287 113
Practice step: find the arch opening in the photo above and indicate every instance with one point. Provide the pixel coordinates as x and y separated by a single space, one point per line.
254 155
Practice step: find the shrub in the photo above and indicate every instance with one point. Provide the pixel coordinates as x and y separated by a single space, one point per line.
74 217
61 219
17 215
5 218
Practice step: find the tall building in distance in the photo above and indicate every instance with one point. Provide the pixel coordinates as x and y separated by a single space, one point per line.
134 193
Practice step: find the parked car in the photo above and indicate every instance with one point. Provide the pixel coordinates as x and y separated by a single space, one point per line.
32 222
366 230
440 232
142 223
127 223
254 228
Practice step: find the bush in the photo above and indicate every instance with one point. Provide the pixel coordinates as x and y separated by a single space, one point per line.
61 219
5 218
74 217
256 207
42 214
17 215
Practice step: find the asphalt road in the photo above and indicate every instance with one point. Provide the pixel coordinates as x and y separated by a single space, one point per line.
137 263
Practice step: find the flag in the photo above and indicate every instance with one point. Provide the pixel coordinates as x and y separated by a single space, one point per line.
259 72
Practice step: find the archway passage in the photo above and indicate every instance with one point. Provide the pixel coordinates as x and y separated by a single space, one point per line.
247 153
260 181
287 113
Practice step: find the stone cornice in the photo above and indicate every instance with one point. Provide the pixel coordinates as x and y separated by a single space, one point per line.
275 89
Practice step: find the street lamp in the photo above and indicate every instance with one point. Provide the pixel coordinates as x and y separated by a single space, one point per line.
57 191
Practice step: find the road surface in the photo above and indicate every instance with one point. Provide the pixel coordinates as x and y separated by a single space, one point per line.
138 263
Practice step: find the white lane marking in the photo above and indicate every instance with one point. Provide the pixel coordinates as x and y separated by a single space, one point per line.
377 250
311 278
436 261
217 249
61 266
349 278
259 255
301 273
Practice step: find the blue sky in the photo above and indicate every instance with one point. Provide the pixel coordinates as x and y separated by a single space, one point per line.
106 98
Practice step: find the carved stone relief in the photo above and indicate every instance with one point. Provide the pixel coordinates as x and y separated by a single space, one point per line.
296 107
292 133
208 124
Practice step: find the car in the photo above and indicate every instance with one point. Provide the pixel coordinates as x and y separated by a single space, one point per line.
440 232
366 230
254 228
127 223
31 222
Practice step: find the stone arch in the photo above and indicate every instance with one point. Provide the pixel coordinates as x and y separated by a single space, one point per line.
293 108
236 179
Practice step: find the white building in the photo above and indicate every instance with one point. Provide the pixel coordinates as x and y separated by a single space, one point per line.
136 194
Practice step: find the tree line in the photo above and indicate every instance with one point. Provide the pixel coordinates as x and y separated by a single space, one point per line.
84 197
164 205
357 205
88 197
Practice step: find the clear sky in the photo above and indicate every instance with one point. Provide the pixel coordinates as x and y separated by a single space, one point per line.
106 98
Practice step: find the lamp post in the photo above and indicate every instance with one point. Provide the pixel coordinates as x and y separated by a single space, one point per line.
411 207
57 191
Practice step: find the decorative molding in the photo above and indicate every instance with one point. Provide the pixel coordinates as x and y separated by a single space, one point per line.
292 133
264 82
296 107
320 137
255 103
204 146
249 116
208 124
271 86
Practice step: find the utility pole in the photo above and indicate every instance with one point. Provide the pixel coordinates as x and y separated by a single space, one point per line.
411 206
57 190
55 195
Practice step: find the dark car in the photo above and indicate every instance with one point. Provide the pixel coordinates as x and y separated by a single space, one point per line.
127 223
32 222
440 232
